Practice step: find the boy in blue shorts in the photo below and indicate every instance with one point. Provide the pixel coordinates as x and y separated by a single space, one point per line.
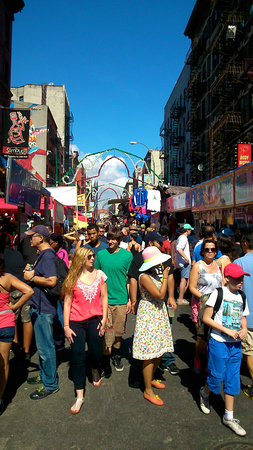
228 328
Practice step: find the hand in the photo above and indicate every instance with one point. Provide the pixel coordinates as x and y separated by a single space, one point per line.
69 334
172 302
243 334
28 274
12 307
232 333
101 328
166 272
28 267
134 307
128 307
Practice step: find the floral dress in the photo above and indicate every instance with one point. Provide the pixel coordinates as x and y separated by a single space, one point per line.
152 336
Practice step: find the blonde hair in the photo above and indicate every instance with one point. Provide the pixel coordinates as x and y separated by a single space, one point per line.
77 263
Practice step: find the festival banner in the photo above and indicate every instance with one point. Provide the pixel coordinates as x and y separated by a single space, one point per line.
16 132
244 154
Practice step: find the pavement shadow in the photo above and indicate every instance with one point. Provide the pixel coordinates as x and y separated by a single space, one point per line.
17 376
186 320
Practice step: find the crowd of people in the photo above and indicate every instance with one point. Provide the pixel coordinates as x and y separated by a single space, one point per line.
79 287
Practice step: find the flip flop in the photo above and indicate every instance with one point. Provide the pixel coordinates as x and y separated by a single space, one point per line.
155 400
158 384
96 380
78 401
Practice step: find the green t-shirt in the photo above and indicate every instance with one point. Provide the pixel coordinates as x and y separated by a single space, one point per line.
115 266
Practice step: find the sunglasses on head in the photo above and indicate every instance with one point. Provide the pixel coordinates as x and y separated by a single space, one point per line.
207 250
92 255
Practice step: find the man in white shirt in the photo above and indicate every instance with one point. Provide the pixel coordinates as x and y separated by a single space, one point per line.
184 262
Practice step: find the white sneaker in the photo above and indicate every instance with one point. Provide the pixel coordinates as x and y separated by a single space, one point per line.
204 404
234 425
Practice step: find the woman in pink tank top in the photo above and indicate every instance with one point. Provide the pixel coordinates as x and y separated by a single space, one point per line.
85 315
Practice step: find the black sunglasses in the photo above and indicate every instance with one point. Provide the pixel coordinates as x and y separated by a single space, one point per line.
91 256
207 250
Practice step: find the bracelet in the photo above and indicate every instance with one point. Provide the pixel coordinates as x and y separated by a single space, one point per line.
165 278
65 326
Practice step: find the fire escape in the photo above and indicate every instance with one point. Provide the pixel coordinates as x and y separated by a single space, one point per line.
177 136
226 124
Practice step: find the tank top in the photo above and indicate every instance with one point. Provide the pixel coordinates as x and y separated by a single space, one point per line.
207 282
7 316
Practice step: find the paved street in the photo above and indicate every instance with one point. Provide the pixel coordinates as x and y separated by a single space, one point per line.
115 416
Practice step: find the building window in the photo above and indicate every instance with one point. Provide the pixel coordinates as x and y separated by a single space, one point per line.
21 98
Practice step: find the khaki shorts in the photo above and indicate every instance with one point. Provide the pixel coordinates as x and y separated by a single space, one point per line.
247 345
117 316
23 311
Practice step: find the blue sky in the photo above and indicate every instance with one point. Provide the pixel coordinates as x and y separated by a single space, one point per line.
119 60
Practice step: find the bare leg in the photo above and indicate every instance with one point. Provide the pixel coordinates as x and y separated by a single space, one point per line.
207 390
117 342
250 366
27 336
229 402
15 340
182 288
4 365
199 347
148 372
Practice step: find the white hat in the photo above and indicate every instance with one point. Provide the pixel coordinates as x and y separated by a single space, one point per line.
152 257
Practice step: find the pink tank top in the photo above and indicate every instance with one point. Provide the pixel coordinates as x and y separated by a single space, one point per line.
86 299
7 316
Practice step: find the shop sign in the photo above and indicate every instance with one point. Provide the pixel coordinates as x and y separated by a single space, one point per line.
16 132
21 186
213 194
244 154
148 179
58 212
244 187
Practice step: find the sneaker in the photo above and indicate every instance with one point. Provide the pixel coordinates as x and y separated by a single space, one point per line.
197 366
204 404
106 372
34 380
248 390
234 425
42 393
172 369
116 360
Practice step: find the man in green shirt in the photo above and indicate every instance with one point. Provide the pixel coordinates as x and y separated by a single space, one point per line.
115 262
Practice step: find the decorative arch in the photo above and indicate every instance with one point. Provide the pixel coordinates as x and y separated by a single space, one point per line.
107 189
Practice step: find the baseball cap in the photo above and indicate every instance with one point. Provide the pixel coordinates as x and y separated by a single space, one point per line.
40 229
153 236
234 270
187 226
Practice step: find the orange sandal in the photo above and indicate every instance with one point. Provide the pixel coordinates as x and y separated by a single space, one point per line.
155 400
96 380
157 384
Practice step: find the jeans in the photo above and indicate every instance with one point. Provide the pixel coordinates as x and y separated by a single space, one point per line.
43 330
59 337
86 330
167 359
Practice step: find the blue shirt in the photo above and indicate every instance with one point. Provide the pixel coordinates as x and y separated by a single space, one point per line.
246 262
45 267
101 246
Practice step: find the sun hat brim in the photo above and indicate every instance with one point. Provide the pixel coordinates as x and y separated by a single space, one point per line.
159 259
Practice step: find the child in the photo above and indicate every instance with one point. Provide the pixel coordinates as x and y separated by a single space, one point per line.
229 327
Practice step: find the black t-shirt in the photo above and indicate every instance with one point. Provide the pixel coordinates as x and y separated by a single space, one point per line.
29 253
14 263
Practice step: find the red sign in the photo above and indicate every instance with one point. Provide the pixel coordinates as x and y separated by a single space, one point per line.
244 154
16 133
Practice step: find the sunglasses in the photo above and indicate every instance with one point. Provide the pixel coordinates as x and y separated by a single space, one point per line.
91 256
208 250
33 235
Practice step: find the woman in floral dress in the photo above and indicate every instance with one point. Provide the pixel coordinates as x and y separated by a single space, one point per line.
152 337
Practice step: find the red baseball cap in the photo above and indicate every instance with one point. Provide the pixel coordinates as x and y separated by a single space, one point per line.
234 270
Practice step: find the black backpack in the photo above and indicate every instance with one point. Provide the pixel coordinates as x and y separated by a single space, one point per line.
203 329
54 293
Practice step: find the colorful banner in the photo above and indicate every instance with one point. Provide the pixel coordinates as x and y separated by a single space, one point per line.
213 194
16 132
244 154
244 187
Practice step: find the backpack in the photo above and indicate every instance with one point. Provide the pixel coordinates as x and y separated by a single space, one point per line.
54 293
203 329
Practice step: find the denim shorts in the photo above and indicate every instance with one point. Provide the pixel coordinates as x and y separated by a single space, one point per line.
7 334
185 271
224 362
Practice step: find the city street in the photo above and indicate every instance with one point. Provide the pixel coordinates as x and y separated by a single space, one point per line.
115 415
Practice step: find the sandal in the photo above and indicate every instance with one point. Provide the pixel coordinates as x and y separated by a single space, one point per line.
96 380
78 405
